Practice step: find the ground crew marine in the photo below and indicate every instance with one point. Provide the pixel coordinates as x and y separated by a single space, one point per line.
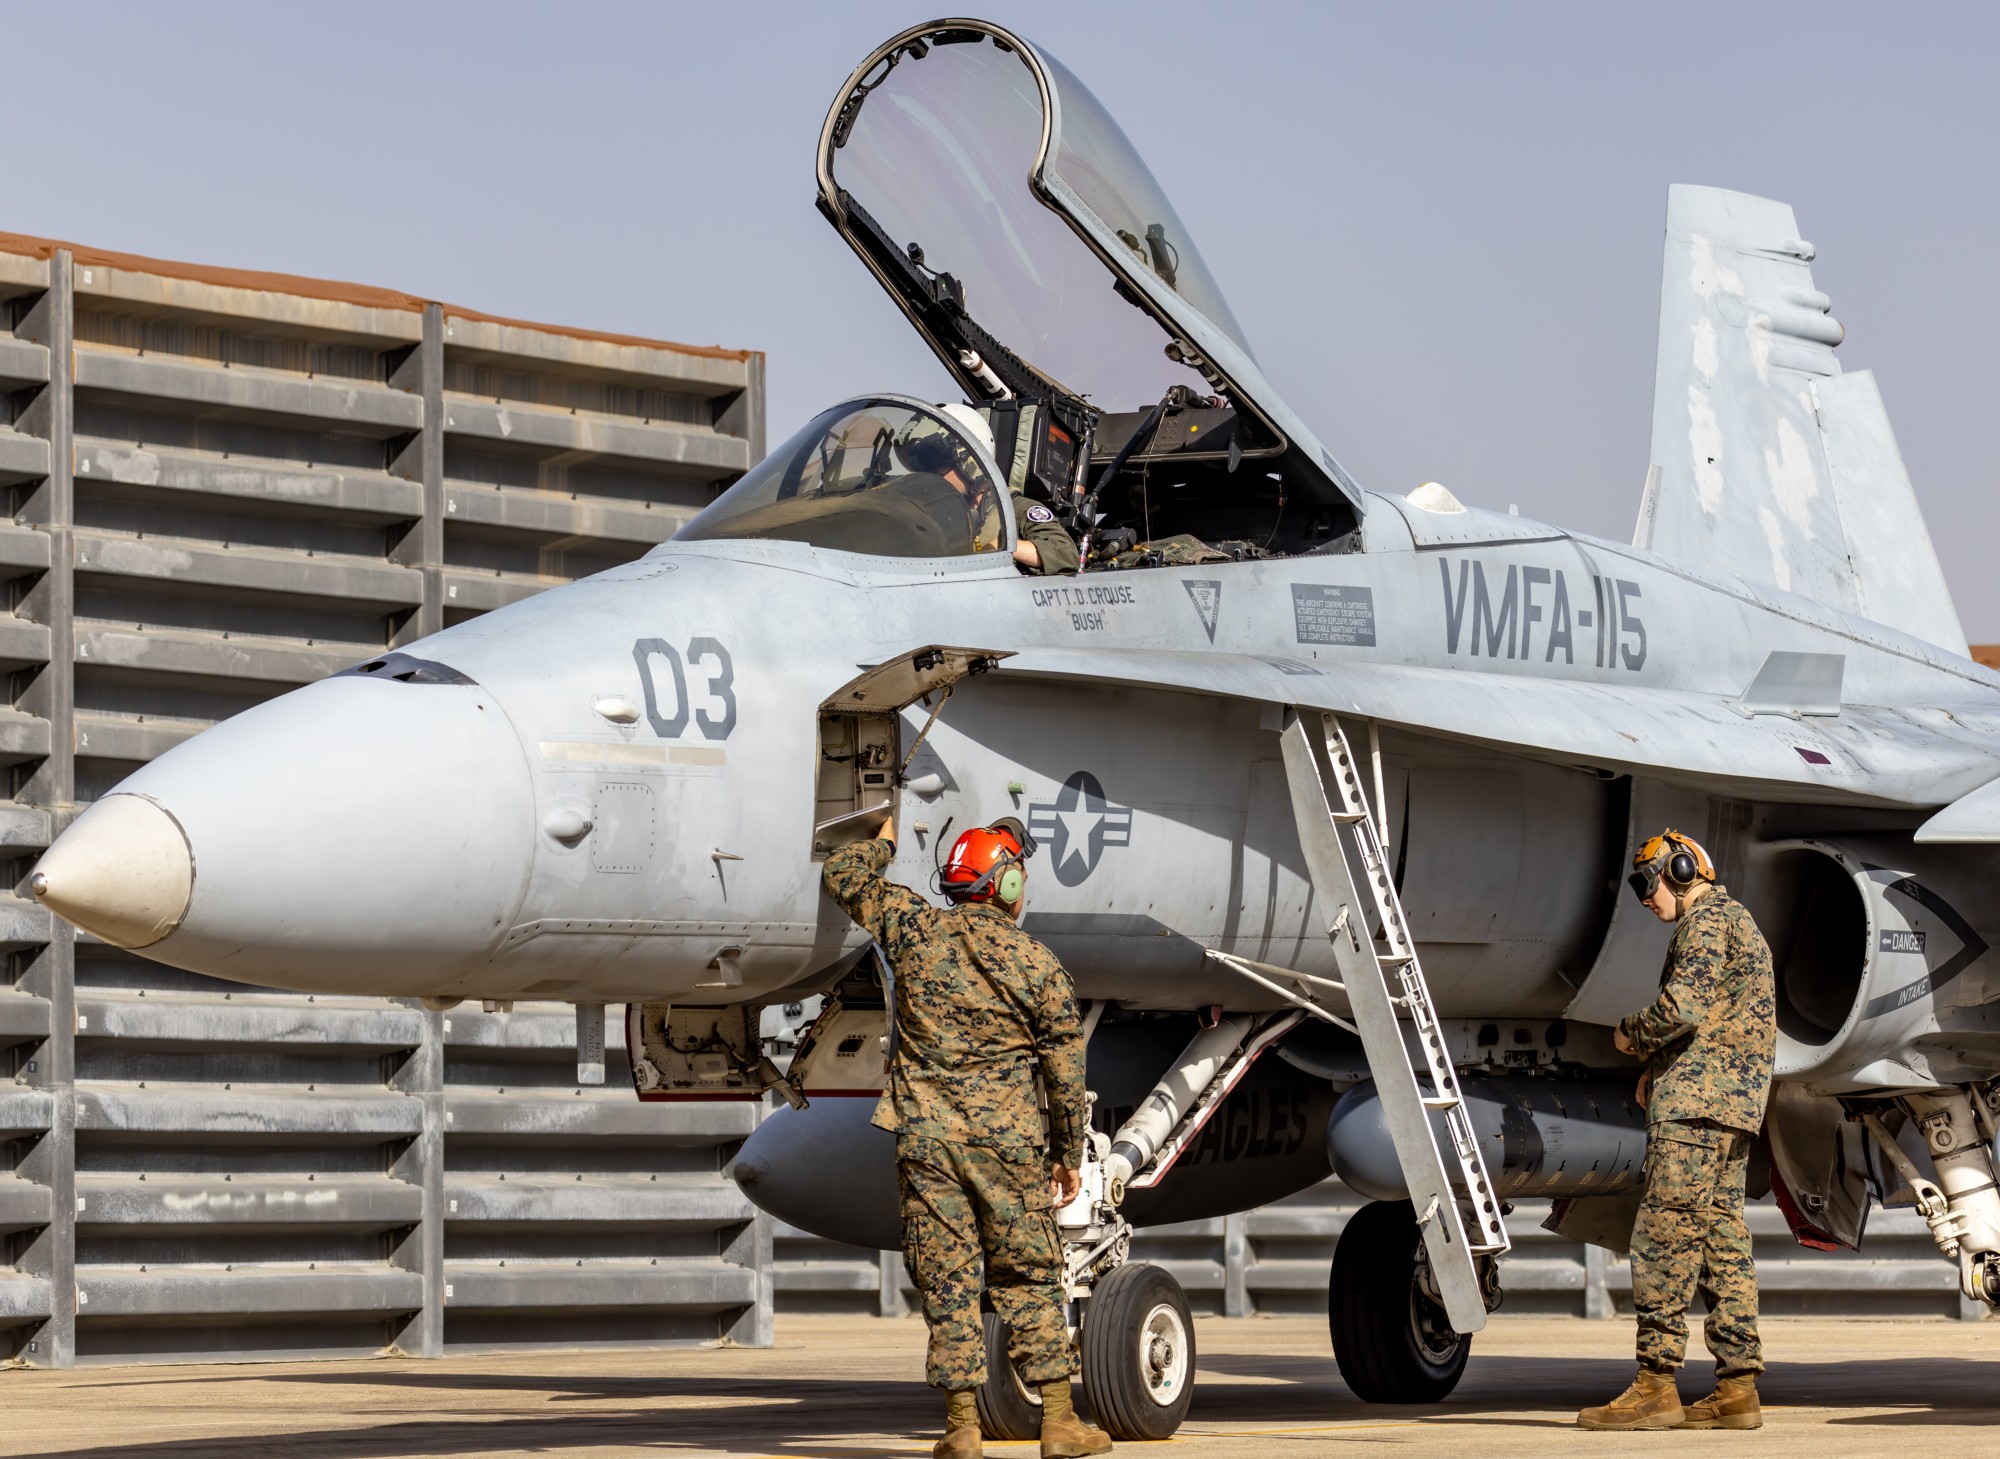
1709 1041
983 1013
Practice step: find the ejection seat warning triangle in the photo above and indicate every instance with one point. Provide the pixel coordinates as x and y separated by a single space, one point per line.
1207 596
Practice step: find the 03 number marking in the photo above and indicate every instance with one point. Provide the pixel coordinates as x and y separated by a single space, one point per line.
669 706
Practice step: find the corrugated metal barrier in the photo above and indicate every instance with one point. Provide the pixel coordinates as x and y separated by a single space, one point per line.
220 486
1276 1259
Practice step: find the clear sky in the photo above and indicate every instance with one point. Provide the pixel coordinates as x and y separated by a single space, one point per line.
1440 224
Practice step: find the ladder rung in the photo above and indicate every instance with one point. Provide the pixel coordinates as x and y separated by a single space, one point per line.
1455 1162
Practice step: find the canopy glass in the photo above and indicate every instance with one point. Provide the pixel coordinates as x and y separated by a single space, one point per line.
939 157
875 476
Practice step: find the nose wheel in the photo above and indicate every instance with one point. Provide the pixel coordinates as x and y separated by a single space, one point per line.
1008 1408
1138 1353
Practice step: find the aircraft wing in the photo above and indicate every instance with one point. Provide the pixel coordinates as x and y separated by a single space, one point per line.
1866 754
1974 817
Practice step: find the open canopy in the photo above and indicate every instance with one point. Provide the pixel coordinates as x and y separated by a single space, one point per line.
1013 221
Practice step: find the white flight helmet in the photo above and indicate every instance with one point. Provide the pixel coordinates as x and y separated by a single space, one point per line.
971 422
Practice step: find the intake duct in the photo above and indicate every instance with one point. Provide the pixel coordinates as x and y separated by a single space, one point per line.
1870 937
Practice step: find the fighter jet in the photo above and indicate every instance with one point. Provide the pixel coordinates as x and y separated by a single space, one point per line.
1333 789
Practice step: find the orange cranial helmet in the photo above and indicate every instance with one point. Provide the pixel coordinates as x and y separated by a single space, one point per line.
988 863
1680 859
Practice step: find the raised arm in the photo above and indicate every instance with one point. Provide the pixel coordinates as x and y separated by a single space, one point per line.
1701 953
853 877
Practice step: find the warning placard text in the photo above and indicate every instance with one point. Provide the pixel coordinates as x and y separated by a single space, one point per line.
1331 613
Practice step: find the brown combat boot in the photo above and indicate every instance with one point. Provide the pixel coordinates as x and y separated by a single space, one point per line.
1064 1435
961 1427
1652 1402
1733 1405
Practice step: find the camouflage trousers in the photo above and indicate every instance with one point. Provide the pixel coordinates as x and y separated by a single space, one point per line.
1691 1237
978 1218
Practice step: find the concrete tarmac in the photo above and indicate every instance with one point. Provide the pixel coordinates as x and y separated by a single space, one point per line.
844 1388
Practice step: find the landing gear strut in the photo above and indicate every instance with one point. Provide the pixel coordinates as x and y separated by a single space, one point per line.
1391 1336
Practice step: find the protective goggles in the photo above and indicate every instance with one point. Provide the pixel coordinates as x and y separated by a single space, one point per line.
1644 882
1014 827
1676 858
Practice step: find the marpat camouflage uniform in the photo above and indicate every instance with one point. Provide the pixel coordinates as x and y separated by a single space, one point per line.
1708 1040
1710 1037
1034 522
981 1007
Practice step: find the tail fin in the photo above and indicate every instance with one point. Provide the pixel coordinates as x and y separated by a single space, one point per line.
1772 465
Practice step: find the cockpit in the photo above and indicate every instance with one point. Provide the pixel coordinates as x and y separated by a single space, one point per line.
1020 233
881 476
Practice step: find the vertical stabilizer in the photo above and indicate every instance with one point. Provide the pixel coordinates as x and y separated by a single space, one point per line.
1896 572
1773 465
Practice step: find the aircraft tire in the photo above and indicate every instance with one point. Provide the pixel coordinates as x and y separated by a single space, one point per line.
1007 1410
1393 1343
1138 1353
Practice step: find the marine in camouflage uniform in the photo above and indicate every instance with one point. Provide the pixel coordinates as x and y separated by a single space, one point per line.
981 1007
1708 1041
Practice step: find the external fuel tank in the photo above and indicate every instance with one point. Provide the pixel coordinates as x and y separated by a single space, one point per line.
1542 1136
827 1170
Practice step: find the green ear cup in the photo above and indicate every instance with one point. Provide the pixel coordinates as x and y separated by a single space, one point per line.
1012 882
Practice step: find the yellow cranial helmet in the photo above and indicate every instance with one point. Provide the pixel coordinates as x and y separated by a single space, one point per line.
1680 859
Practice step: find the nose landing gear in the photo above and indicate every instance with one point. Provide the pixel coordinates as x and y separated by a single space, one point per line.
1138 1359
1008 1407
1138 1353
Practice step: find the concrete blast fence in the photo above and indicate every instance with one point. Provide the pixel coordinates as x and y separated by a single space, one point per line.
1276 1259
220 486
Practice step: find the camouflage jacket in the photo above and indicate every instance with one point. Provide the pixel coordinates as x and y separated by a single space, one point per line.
1710 1037
1037 524
980 1006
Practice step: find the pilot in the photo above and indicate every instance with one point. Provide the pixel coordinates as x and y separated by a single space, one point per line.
1041 546
1708 1040
981 1011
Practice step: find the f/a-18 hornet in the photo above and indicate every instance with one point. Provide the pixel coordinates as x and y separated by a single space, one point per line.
1333 790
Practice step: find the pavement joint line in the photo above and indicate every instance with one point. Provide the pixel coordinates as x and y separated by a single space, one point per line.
1336 1428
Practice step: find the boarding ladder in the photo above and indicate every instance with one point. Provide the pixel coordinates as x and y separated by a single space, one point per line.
1457 1210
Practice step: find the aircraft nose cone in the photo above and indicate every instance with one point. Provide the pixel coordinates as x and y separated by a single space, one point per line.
122 872
351 836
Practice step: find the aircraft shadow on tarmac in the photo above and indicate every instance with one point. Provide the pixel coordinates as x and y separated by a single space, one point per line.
790 1416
